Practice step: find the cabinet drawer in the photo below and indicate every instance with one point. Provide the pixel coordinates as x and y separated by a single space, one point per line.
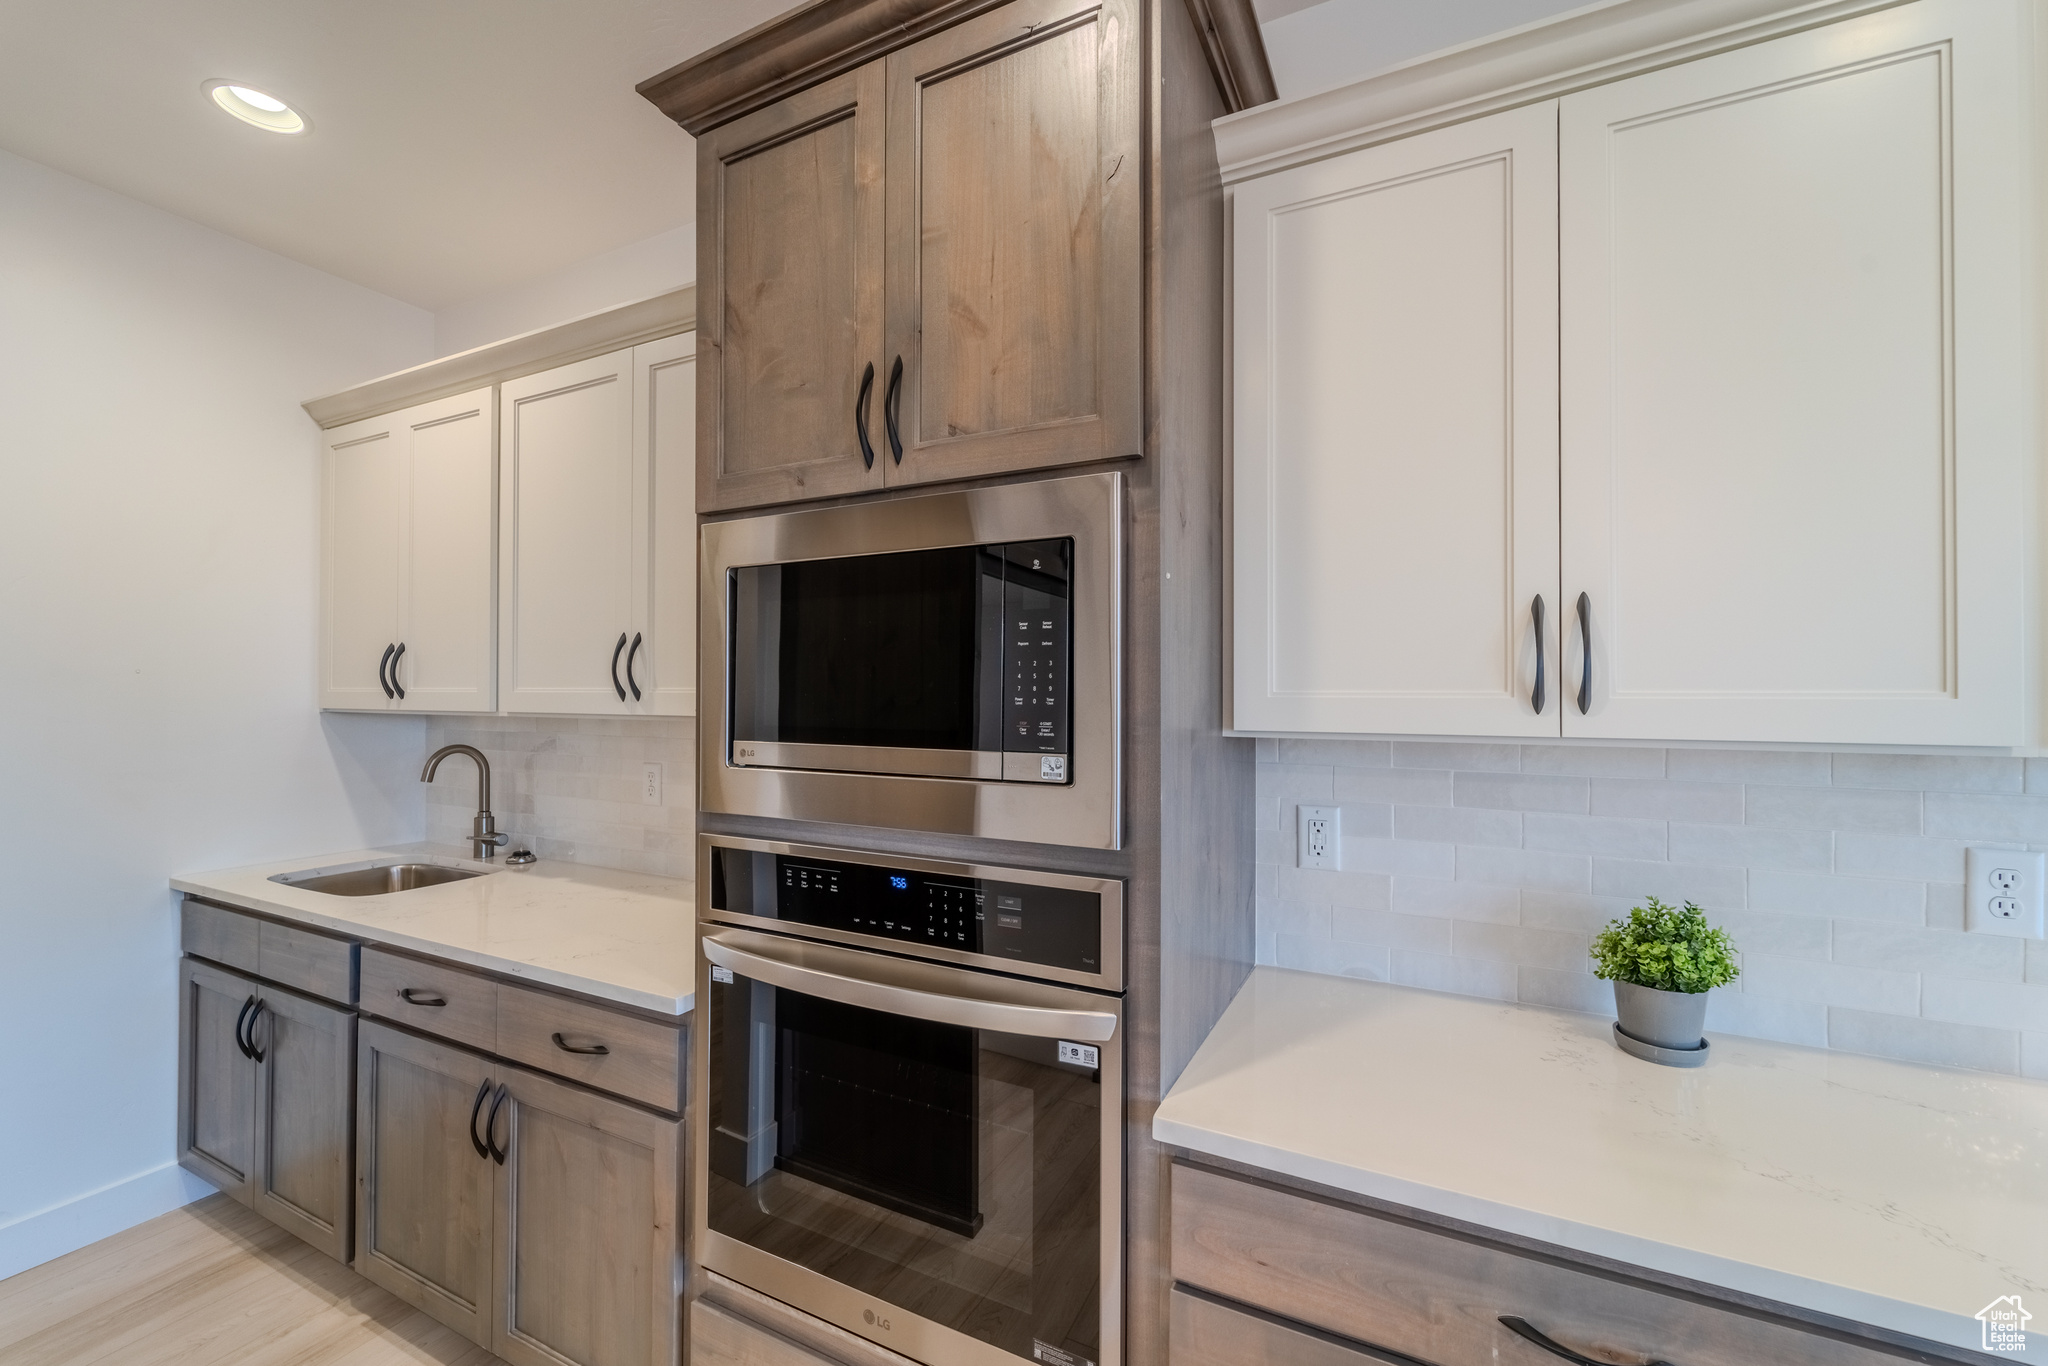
642 1060
406 989
1204 1332
317 964
1439 1296
219 935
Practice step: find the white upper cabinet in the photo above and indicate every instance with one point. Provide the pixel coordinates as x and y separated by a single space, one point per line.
1729 359
1794 434
598 535
1396 436
406 545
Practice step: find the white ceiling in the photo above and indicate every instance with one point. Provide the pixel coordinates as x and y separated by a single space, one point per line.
458 146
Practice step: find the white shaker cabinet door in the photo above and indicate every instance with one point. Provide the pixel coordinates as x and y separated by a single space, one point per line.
1794 398
568 545
665 525
1395 455
362 526
447 615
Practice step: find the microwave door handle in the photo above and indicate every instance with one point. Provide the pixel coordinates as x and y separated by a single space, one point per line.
1090 1026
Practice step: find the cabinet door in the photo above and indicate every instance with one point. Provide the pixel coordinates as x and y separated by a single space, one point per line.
362 493
446 618
1015 256
789 272
1794 386
665 526
567 498
1395 505
305 1118
589 1230
216 1079
423 1189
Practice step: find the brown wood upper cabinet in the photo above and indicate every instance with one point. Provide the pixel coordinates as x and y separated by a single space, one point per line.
929 267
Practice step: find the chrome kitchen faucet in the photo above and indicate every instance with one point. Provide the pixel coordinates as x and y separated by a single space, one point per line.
484 838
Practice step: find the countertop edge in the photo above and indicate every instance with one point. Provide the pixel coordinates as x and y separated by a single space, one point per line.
582 986
1783 1287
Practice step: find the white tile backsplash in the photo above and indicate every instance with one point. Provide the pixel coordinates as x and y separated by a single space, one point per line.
1485 869
570 788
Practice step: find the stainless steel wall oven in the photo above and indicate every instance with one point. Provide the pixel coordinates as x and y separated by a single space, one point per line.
909 1094
946 662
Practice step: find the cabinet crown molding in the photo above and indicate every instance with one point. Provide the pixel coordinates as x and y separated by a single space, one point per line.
1538 61
662 315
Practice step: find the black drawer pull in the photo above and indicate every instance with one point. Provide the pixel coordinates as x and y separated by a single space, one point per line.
860 417
256 1015
618 650
1536 617
476 1108
630 681
491 1128
397 686
890 401
242 1019
596 1050
1521 1327
406 994
1586 641
383 680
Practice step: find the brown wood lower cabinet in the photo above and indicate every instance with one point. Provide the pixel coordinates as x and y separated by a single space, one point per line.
263 1100
1433 1296
541 1220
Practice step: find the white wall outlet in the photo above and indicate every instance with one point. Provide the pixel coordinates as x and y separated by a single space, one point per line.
2004 892
650 784
1319 836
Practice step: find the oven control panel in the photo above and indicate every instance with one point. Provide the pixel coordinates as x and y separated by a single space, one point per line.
1013 921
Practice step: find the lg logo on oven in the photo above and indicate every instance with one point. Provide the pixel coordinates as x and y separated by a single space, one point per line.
874 1320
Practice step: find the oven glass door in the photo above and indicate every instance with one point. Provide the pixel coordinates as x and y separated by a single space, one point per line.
952 1172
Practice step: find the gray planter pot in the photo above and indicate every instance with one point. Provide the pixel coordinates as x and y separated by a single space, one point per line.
1667 1019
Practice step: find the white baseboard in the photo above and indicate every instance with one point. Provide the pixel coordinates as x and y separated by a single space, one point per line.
48 1233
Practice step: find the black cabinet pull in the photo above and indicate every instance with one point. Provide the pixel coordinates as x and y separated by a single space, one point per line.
476 1108
1536 616
491 1126
889 402
596 1050
406 995
254 1016
1586 642
617 650
1521 1327
240 1020
397 686
860 417
630 681
383 681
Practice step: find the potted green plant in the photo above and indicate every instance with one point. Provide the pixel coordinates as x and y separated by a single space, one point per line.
1663 961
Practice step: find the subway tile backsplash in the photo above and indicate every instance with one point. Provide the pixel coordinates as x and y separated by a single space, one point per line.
570 788
1485 869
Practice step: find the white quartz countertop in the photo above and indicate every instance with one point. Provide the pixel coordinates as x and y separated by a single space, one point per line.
1903 1196
616 936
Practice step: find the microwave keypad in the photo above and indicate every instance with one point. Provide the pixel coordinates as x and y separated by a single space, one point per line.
1035 654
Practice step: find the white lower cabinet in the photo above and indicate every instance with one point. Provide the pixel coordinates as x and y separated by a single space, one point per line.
406 559
1728 362
598 535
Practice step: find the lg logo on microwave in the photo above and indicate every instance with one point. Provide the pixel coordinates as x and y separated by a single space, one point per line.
742 751
873 1320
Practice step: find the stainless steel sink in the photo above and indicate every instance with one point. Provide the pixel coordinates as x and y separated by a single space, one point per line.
390 877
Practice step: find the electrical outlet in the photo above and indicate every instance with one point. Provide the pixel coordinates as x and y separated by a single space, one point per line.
1319 837
2004 892
650 784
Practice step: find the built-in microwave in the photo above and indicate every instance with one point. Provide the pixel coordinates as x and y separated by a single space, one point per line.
945 662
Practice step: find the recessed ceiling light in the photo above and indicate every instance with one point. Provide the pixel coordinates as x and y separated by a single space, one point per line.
251 105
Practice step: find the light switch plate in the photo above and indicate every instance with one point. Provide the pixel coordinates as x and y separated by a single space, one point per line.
1319 837
2003 894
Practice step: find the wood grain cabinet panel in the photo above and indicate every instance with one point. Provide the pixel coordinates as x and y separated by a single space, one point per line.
216 1078
1015 256
640 1059
305 960
1205 1332
405 989
789 265
1439 1296
424 1190
305 1122
218 935
588 1239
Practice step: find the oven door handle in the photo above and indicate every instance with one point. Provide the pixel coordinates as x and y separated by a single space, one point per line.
1091 1026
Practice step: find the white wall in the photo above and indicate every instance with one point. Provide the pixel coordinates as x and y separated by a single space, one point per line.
1318 46
157 616
639 270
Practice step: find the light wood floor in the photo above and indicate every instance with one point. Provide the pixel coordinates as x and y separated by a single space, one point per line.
214 1285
